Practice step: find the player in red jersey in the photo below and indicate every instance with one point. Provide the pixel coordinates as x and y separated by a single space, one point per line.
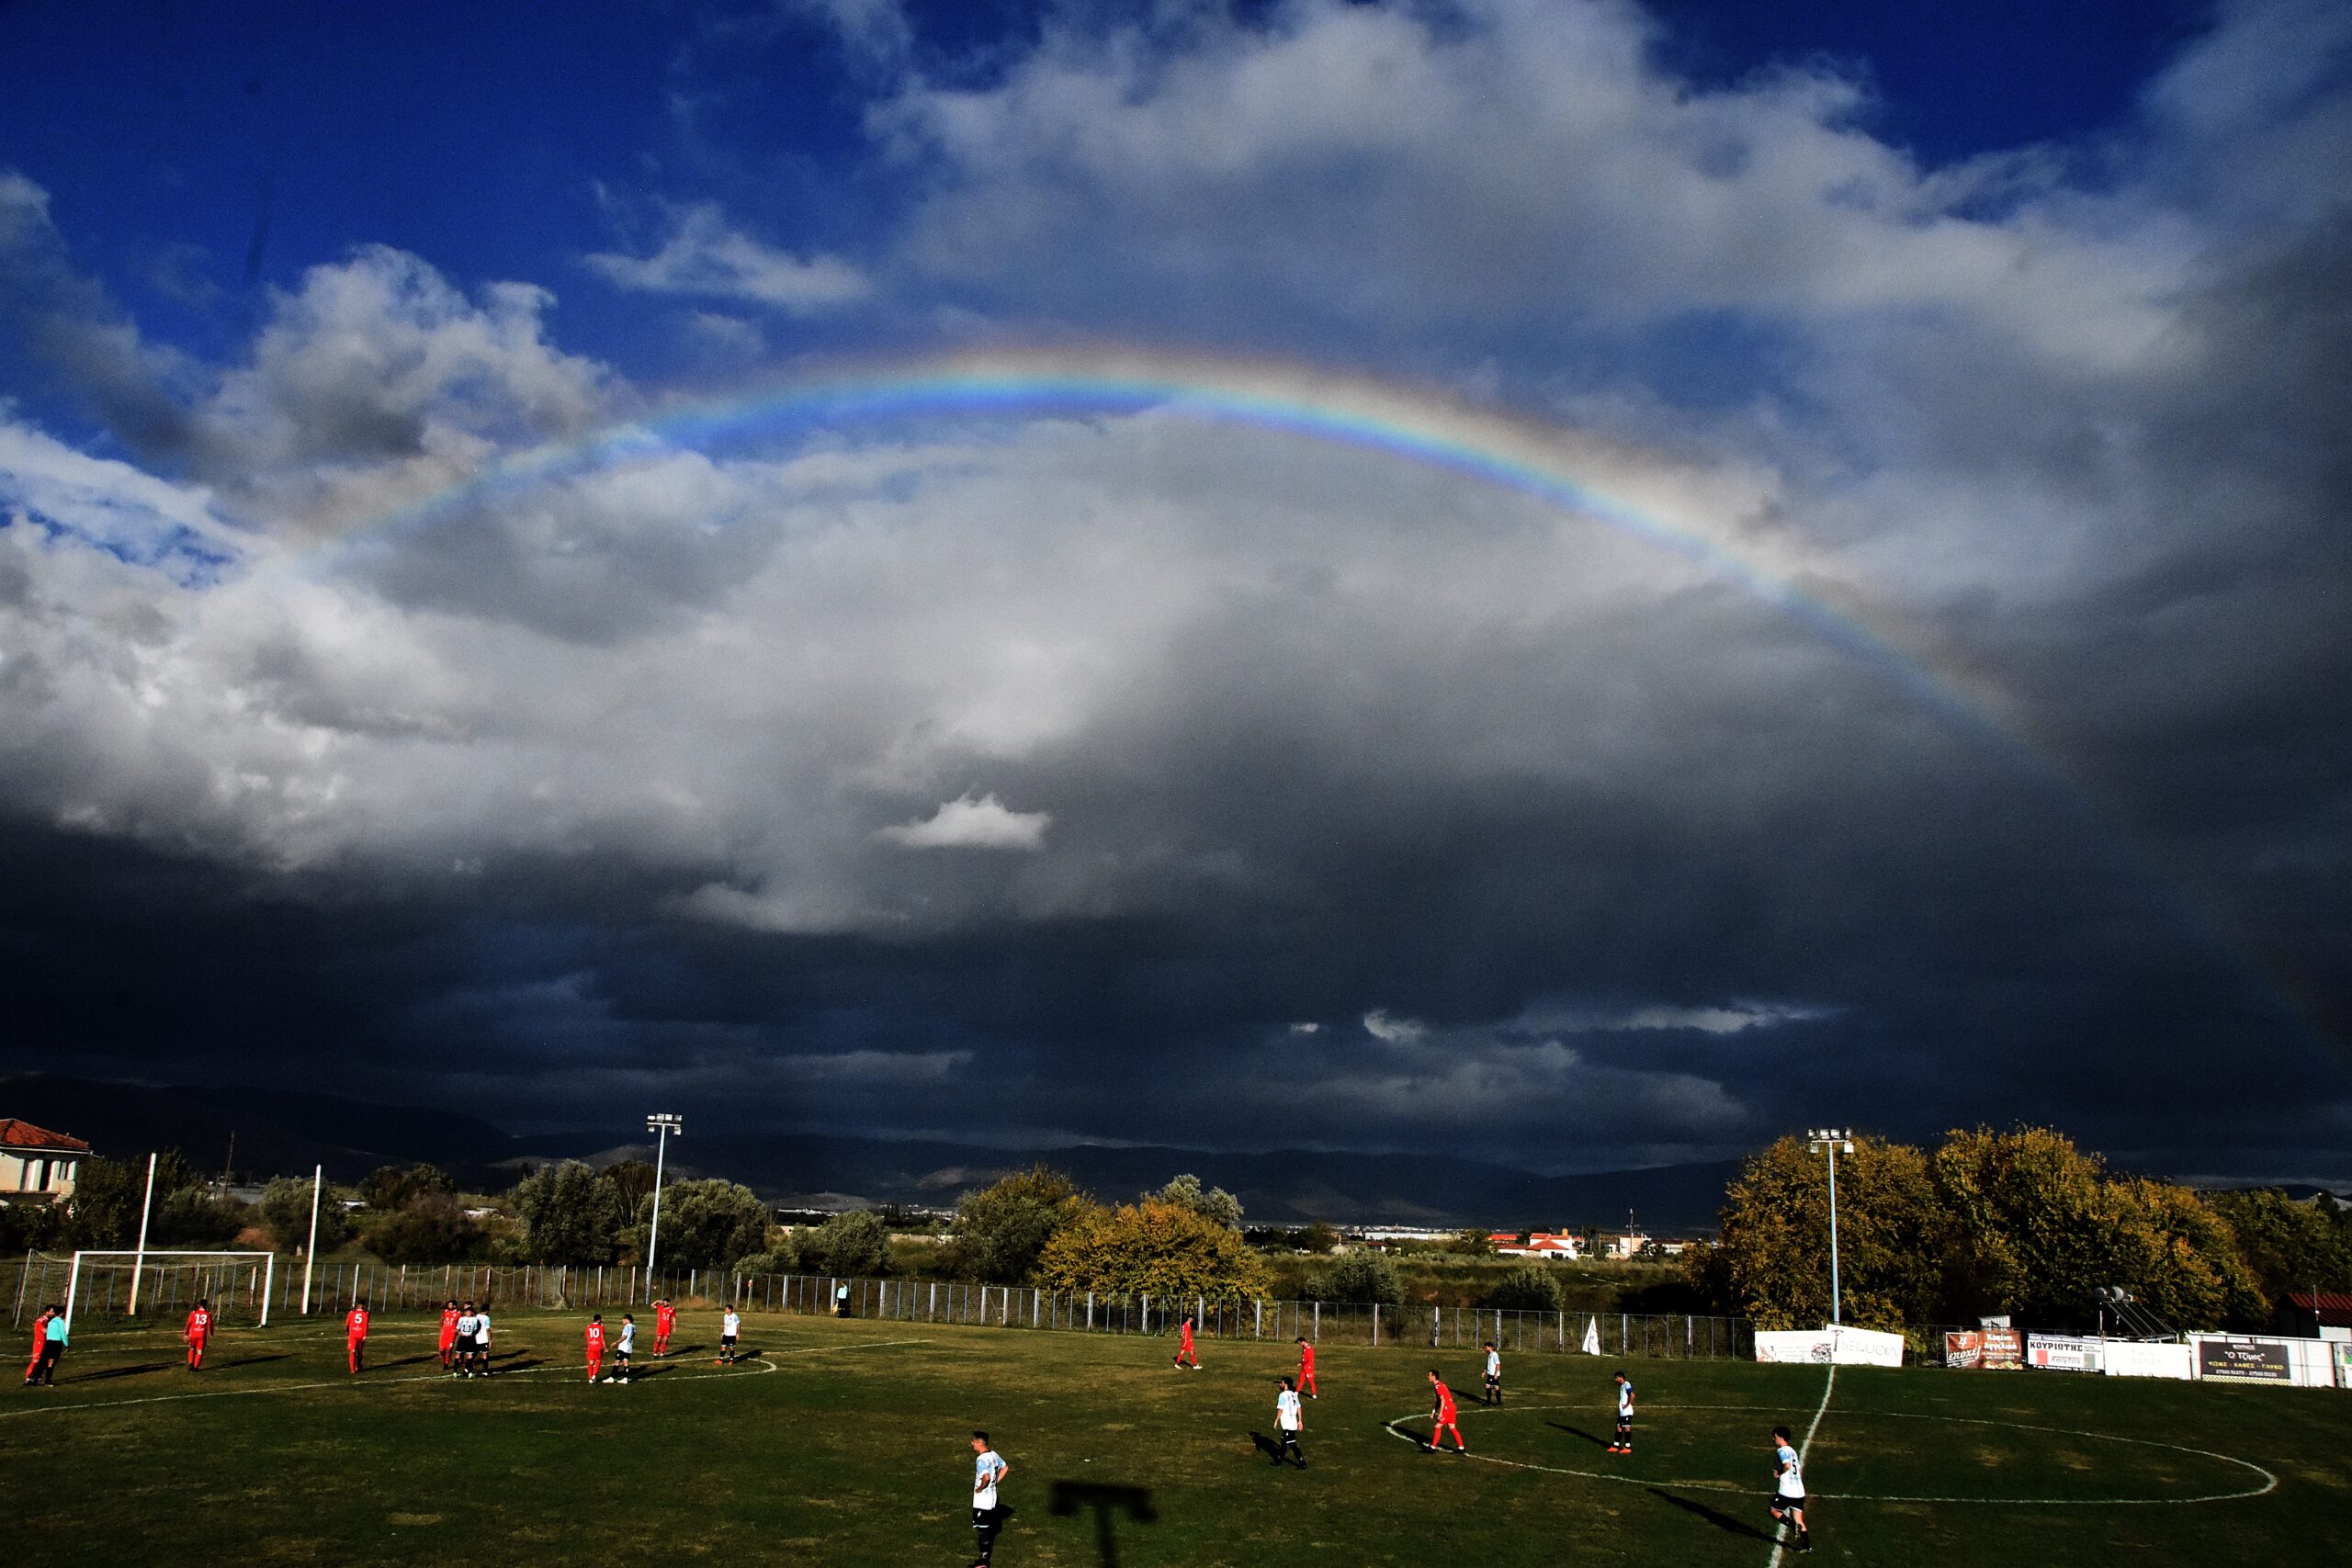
1306 1367
665 1318
199 1334
1444 1418
355 1334
448 1331
595 1346
40 1341
1184 1351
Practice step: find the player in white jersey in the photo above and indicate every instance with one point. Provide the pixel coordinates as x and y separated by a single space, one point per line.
1788 1487
623 1347
1623 1442
481 1343
1290 1418
1494 1391
469 1322
988 1471
731 1328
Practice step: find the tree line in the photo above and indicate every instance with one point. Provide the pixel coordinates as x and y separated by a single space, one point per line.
2019 1222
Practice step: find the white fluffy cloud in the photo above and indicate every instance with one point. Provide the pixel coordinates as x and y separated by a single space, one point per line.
706 256
970 822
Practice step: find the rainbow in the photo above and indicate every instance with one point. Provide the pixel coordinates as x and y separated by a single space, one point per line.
1641 495
1676 508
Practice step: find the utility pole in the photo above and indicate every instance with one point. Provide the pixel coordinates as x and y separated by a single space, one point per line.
1834 1140
663 1126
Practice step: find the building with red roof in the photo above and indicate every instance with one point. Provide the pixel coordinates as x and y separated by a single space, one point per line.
37 1165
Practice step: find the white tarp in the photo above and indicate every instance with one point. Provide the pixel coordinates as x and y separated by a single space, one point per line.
1592 1336
1834 1344
2129 1359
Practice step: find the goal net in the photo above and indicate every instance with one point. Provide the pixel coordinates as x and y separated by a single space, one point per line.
100 1289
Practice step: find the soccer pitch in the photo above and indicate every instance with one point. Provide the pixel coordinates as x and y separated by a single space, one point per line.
847 1442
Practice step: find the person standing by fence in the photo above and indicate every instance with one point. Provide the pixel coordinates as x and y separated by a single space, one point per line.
355 1335
1184 1351
1306 1367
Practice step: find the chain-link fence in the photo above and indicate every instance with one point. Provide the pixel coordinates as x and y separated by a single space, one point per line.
332 1287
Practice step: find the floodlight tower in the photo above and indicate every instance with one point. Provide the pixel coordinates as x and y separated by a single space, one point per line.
663 1126
1833 1141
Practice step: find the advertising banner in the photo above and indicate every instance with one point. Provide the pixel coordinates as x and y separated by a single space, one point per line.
2343 1365
1995 1348
2233 1359
1845 1347
2061 1353
2129 1358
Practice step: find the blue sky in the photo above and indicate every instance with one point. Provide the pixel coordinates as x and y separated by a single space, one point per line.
949 770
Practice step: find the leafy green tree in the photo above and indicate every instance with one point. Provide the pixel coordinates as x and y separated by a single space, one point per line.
1528 1288
1002 1229
570 1214
391 1187
1472 1242
2180 1261
1319 1238
1776 1236
285 1210
1161 1250
1363 1278
855 1242
432 1227
192 1216
1213 1204
2032 1226
704 1224
632 1181
2288 1245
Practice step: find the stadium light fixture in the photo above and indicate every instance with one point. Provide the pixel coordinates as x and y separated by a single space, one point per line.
1832 1141
663 1126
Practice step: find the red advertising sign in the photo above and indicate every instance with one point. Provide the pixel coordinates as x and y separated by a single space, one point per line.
1984 1347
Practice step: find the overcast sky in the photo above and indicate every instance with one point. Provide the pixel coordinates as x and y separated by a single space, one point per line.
1942 713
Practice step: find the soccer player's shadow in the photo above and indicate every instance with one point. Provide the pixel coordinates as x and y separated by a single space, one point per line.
688 1350
650 1370
432 1356
1574 1432
140 1370
1714 1517
1267 1446
257 1360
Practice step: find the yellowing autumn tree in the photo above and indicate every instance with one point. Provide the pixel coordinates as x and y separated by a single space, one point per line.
1162 1249
1775 1257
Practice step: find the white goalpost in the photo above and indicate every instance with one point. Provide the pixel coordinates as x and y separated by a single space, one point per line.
221 1269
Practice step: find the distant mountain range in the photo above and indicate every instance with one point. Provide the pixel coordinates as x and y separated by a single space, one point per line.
283 1132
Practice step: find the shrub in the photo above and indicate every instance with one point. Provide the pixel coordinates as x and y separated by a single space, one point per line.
1360 1276
1528 1288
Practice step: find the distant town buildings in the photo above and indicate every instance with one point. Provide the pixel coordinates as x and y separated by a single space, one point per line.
37 1165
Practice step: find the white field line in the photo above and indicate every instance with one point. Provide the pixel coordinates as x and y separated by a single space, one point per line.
2269 1480
1781 1532
763 1361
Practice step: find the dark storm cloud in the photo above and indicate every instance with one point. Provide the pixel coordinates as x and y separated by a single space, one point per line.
1132 779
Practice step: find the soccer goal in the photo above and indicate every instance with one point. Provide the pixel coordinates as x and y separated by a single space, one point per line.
164 1283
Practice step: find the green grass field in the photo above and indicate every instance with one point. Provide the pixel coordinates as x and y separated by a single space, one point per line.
846 1443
